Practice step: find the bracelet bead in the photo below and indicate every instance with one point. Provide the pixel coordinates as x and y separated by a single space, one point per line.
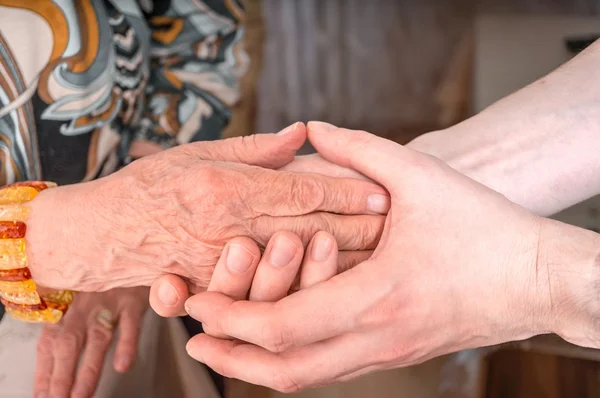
18 291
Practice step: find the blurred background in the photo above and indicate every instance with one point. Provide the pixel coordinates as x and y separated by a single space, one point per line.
398 69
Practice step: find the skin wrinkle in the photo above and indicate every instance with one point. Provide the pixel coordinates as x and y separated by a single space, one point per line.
143 229
242 203
537 266
180 209
179 236
110 262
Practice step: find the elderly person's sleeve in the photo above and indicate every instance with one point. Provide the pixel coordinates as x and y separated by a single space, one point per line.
197 61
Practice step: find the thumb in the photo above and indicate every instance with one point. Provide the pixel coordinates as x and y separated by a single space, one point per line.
168 295
375 157
265 150
316 164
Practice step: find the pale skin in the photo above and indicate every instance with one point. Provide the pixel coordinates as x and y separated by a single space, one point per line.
173 212
457 268
71 354
527 171
537 146
458 265
117 237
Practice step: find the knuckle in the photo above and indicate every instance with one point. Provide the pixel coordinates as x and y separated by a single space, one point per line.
60 386
68 345
360 136
45 345
359 239
308 194
367 233
400 353
282 382
209 176
89 374
307 227
99 335
276 338
250 144
135 314
359 139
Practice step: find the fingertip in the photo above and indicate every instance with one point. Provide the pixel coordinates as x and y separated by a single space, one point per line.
241 254
295 130
294 135
378 203
202 304
167 295
122 363
274 151
323 244
295 239
193 349
285 248
318 127
320 262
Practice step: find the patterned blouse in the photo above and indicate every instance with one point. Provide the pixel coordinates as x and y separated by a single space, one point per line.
80 80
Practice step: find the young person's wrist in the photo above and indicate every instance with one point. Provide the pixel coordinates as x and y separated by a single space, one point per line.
570 257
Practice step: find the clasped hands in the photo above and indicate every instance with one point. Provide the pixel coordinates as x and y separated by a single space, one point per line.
455 265
458 266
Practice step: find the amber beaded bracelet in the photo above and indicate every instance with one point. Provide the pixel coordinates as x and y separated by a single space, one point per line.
18 292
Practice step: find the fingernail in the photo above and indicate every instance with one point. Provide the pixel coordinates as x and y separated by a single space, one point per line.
282 252
167 294
321 248
377 203
289 129
43 394
239 259
122 363
322 126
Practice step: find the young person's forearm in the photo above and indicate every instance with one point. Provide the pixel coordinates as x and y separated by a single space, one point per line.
537 146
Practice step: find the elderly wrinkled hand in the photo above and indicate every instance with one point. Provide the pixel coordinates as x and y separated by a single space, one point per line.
71 354
172 213
458 266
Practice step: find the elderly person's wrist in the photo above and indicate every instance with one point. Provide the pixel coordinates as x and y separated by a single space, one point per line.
76 234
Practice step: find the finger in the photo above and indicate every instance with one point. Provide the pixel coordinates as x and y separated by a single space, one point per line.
292 321
167 296
265 150
292 194
350 232
278 267
321 261
286 372
234 272
350 259
346 260
375 157
67 350
316 164
130 323
97 344
235 269
45 359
